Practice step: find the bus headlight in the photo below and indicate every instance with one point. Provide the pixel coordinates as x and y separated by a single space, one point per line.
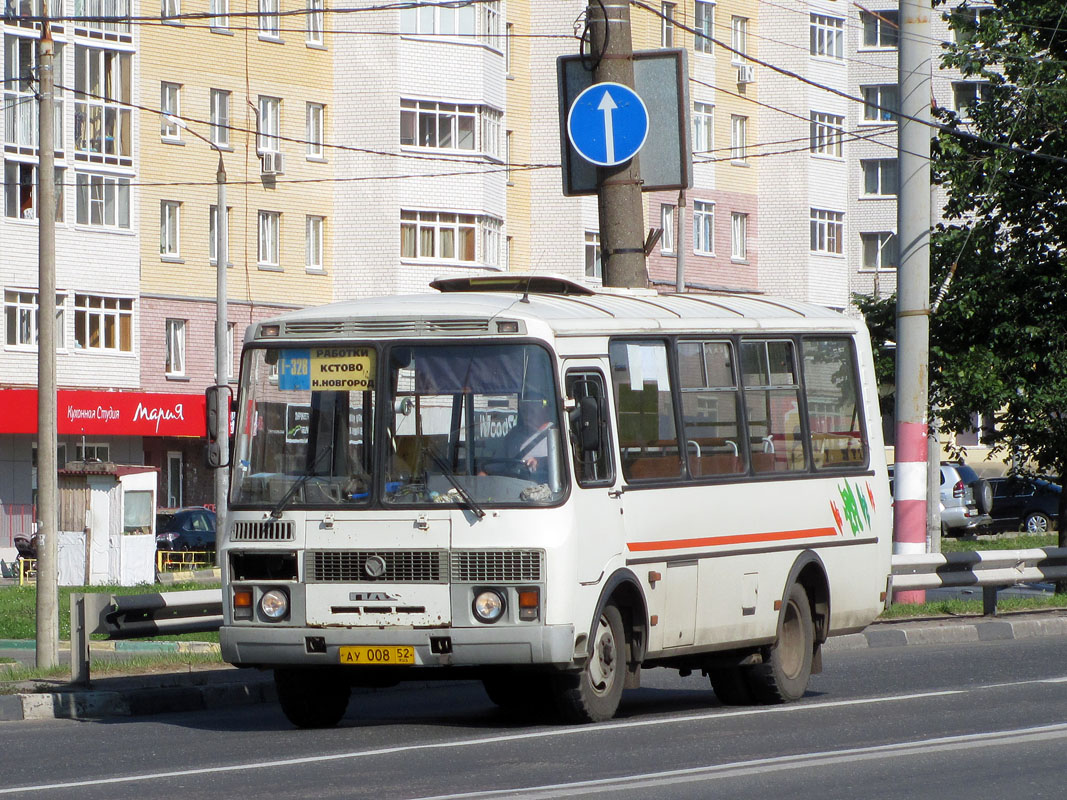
274 604
488 606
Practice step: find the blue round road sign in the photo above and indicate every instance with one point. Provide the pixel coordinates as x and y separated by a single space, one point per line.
607 124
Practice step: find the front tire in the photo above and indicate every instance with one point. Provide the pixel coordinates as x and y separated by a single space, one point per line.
593 695
731 685
783 676
312 698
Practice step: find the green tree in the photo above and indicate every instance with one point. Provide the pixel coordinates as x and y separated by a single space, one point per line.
999 337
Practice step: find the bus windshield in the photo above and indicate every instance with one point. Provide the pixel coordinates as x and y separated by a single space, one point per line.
468 424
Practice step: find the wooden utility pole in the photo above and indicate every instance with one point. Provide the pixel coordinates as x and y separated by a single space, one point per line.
619 193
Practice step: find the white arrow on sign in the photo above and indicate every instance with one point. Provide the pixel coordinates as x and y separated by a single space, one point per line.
607 105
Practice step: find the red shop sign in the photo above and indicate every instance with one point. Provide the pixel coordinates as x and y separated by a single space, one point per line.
107 413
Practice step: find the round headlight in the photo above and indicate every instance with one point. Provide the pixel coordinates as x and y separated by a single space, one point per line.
274 604
489 606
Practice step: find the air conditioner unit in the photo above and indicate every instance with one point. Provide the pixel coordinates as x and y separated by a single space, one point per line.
273 162
746 73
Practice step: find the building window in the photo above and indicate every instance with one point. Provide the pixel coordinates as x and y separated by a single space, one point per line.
468 20
666 221
170 9
92 451
827 132
739 39
507 157
880 176
704 227
20 190
704 25
880 103
220 117
437 236
231 329
827 37
450 126
103 324
594 268
703 127
20 319
175 359
102 113
169 107
667 16
103 200
738 138
268 19
174 479
169 228
220 14
269 140
965 22
315 24
19 95
739 236
313 230
115 25
966 94
509 32
881 29
269 233
827 231
213 240
489 23
315 120
879 251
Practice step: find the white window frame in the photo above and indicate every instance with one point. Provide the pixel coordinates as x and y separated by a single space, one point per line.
827 38
174 352
738 138
448 237
269 134
92 451
269 228
212 237
170 10
703 127
880 30
316 22
314 242
315 124
826 135
170 229
479 22
667 12
220 15
20 319
974 16
231 333
103 82
220 117
704 27
16 206
738 39
882 245
880 104
269 21
594 266
425 124
976 90
99 314
102 201
704 227
827 232
170 104
880 168
738 236
666 222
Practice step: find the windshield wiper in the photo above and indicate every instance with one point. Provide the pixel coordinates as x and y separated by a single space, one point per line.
460 489
309 473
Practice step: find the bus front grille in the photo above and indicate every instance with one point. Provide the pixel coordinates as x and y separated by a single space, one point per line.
387 566
272 531
497 566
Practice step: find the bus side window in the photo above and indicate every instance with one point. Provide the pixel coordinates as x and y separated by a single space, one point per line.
648 438
838 438
593 468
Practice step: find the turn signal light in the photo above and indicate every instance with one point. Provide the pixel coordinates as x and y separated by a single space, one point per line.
529 604
242 604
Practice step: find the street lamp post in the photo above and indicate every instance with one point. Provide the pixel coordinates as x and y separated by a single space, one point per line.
222 366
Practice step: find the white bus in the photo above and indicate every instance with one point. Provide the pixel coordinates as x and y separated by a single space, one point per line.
547 487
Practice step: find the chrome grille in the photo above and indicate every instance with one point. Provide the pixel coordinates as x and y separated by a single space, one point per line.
400 566
270 531
497 566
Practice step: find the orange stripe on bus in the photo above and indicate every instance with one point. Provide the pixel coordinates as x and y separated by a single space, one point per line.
740 538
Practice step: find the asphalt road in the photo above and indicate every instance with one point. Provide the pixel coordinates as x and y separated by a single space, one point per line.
977 720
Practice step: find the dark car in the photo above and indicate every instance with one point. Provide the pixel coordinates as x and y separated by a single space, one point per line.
188 529
1031 504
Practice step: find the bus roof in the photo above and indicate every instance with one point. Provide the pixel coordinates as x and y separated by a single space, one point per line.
475 305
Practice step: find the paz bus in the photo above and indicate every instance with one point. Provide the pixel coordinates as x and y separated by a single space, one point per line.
702 488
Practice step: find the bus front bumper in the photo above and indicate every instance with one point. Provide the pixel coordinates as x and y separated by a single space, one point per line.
262 645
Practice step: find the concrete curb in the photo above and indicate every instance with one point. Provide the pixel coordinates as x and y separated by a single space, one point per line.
952 631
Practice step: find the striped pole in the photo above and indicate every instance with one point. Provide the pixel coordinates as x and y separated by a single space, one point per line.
909 496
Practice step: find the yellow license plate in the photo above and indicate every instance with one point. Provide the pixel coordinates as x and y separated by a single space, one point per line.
381 656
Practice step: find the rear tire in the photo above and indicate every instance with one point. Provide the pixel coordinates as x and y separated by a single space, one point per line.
731 685
593 695
312 698
1036 522
783 676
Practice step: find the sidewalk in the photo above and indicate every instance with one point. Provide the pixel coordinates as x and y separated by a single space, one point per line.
217 687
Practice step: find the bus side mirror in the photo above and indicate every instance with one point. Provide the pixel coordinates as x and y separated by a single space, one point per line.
218 424
586 424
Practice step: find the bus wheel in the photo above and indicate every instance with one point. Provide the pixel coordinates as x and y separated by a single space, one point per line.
783 675
593 695
731 686
312 698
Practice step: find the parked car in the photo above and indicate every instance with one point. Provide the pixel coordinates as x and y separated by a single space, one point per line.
187 529
1031 504
966 500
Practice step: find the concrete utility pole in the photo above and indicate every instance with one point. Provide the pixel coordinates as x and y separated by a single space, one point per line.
913 284
222 365
619 194
47 479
